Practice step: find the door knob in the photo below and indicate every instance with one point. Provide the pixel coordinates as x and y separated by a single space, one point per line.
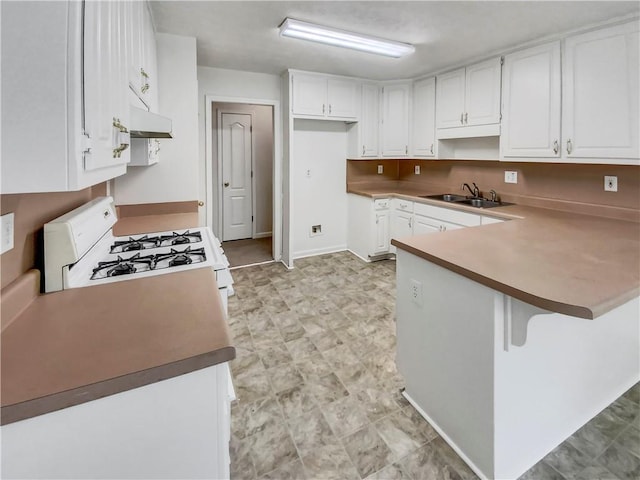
226 184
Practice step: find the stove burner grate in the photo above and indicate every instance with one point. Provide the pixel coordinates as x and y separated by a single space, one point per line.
176 257
122 266
180 238
132 244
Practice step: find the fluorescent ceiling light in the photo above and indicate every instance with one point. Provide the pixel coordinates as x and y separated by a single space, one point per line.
342 38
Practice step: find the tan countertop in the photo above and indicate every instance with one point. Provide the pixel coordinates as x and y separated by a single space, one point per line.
65 348
579 265
78 345
154 223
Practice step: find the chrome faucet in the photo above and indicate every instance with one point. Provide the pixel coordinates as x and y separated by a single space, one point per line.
494 195
475 192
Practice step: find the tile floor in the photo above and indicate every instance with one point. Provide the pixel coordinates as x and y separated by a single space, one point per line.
319 394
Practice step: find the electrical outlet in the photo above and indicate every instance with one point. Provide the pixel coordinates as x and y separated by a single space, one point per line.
510 177
416 292
315 230
416 170
380 169
6 232
610 183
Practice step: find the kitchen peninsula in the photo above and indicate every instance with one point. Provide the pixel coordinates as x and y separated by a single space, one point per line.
508 353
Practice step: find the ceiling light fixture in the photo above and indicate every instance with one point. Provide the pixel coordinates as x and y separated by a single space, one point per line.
343 38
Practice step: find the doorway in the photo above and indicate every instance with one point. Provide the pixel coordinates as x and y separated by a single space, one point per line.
243 158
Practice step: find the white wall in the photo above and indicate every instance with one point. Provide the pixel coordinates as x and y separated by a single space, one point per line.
175 177
228 86
319 199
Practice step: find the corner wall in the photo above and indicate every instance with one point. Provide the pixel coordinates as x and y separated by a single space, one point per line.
175 177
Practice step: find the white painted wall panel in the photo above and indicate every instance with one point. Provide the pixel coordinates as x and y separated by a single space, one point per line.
319 199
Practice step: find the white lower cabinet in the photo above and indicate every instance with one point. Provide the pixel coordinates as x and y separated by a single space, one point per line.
175 428
368 226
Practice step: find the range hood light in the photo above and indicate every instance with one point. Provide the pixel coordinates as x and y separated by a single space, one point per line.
342 38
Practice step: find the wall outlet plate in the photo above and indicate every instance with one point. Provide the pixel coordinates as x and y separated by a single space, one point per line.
610 183
510 177
416 170
6 232
380 169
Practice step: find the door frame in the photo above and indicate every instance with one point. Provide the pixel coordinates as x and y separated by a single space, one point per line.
213 190
220 172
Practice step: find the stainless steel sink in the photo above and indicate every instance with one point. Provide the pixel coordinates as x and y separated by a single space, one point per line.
446 197
461 199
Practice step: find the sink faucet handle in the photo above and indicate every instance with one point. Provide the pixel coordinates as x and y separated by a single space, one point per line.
494 196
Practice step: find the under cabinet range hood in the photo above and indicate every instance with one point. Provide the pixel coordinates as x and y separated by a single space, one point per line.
148 125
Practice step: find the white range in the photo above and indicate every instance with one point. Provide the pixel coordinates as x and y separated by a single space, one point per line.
80 250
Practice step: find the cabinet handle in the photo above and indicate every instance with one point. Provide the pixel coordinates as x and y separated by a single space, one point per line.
323 108
462 118
145 86
377 219
432 148
410 222
329 109
466 117
121 138
406 149
555 147
569 147
362 149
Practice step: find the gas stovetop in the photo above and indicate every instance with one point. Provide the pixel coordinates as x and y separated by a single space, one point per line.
81 250
122 258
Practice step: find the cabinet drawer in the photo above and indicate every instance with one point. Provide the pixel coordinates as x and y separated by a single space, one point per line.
403 205
448 215
381 204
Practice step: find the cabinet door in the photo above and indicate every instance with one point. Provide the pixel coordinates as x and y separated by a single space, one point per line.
105 84
482 93
309 95
450 99
531 103
342 95
424 118
370 120
401 224
395 120
423 225
600 94
149 72
136 43
381 243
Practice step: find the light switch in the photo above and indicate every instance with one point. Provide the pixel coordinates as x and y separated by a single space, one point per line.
380 169
416 170
6 232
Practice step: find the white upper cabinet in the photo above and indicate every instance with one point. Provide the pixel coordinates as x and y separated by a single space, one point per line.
142 55
369 122
482 93
531 103
66 114
395 120
324 97
600 94
105 79
424 118
450 99
469 97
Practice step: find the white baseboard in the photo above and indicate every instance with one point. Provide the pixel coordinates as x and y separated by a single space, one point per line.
262 235
361 258
319 251
446 438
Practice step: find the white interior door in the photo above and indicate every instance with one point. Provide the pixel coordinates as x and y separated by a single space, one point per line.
237 209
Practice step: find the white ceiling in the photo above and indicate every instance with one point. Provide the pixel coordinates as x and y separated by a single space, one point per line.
243 35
